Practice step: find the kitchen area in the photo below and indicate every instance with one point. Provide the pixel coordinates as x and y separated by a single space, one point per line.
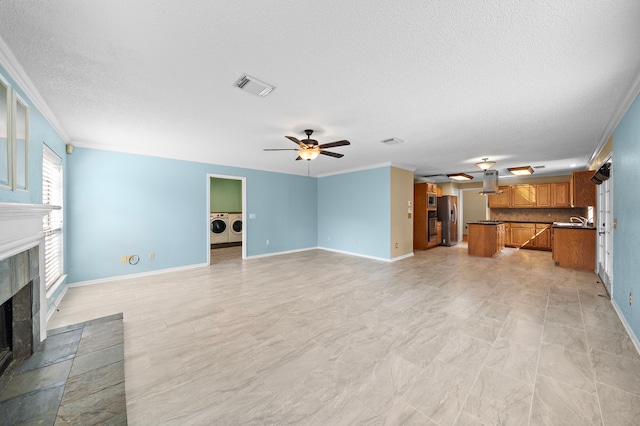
555 216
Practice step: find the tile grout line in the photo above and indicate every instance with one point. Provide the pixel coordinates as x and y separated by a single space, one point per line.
589 354
535 376
478 375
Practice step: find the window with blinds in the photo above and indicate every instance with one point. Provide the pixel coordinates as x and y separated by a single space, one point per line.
52 222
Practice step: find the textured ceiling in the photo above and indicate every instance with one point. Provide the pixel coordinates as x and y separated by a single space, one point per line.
523 83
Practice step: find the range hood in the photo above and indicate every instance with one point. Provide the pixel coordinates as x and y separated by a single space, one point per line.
490 182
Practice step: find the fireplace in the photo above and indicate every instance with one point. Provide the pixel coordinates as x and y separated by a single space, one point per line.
22 298
19 313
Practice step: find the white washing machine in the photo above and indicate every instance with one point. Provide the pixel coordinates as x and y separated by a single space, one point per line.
219 228
235 227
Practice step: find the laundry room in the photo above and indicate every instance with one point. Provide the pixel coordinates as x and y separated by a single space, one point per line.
225 226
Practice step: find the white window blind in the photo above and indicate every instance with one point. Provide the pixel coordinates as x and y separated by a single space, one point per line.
52 222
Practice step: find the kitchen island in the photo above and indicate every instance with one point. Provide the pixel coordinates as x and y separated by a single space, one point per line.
486 238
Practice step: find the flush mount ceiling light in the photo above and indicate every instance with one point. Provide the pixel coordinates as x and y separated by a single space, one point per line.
484 164
460 176
521 171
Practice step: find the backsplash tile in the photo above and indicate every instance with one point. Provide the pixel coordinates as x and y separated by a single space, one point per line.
537 215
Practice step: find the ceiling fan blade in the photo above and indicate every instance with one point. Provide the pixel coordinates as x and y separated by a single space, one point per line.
334 144
296 141
299 158
332 154
280 149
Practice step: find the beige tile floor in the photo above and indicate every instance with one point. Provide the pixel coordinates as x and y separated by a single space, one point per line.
322 338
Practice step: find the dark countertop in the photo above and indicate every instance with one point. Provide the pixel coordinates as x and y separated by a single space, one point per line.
527 221
486 222
588 228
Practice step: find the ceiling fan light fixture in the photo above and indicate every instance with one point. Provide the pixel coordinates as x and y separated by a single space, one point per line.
308 153
460 176
521 171
484 164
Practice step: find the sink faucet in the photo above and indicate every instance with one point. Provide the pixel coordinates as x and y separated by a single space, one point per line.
582 220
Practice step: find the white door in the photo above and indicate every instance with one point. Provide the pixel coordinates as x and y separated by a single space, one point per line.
605 232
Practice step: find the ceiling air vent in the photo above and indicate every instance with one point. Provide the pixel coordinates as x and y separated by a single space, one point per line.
253 86
392 141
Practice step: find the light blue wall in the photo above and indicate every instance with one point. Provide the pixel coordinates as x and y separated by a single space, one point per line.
354 212
626 209
124 204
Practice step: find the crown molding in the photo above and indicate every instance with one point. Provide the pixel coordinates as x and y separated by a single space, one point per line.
18 74
616 118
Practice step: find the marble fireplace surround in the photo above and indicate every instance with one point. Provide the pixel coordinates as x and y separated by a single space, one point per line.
21 254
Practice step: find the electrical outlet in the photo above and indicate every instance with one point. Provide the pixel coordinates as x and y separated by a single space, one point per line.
152 256
123 259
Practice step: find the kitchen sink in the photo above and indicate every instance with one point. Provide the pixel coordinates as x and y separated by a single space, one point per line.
569 225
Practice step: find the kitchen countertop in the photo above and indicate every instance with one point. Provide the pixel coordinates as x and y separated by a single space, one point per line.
486 222
527 221
574 227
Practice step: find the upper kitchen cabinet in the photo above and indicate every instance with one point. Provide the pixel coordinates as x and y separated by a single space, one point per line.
552 194
560 194
583 191
543 195
523 196
501 199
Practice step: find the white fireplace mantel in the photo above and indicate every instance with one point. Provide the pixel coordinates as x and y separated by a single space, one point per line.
20 230
20 227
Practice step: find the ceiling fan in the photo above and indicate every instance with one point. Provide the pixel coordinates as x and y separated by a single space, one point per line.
309 148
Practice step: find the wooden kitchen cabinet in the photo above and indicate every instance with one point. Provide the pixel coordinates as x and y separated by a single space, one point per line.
574 248
523 196
542 238
522 235
485 239
583 191
543 195
560 194
507 234
501 200
420 217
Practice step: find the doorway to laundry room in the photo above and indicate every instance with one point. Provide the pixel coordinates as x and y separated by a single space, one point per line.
225 214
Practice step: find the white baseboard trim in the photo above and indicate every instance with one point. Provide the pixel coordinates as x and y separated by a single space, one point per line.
404 256
627 327
278 253
56 302
358 254
142 274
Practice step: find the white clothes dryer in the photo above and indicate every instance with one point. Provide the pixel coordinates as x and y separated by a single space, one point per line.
219 228
235 227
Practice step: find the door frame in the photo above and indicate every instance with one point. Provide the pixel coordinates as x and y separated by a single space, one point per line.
244 209
604 242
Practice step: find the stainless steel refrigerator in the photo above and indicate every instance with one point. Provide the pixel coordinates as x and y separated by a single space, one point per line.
448 215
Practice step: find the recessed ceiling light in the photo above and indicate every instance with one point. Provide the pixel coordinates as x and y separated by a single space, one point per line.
460 176
521 171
